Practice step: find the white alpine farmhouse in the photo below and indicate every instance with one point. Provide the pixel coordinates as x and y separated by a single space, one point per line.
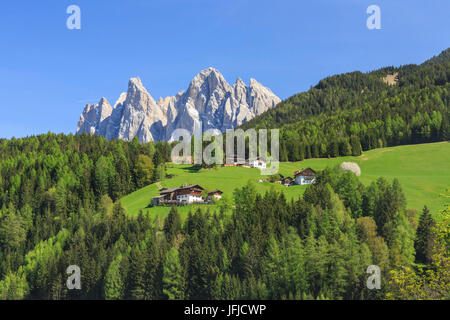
304 176
258 163
183 194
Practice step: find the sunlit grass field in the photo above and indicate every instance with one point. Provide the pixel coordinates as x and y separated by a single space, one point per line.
423 171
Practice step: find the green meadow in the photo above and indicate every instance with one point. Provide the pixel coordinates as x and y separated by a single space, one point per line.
423 171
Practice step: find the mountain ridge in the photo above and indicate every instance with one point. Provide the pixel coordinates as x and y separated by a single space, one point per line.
348 113
209 101
362 86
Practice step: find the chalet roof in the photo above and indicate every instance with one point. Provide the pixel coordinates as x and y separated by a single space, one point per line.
258 159
215 191
164 191
233 159
303 171
192 186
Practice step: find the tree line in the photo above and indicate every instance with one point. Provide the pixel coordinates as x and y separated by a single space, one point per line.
45 180
316 247
349 113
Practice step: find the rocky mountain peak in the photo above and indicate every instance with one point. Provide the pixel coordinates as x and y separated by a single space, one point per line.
209 102
105 108
239 82
255 84
207 80
135 83
93 116
121 100
137 96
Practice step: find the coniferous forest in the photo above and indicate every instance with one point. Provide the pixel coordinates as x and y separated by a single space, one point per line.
349 113
58 208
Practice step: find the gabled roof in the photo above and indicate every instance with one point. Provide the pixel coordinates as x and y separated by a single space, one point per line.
164 191
192 186
303 171
215 191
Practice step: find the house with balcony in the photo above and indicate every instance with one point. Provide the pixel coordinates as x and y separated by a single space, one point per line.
182 195
304 176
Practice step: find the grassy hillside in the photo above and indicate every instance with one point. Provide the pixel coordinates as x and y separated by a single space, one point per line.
423 171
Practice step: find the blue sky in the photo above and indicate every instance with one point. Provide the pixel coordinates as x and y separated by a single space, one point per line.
48 73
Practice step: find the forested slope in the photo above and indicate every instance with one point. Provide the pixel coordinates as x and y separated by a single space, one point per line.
316 247
345 114
48 181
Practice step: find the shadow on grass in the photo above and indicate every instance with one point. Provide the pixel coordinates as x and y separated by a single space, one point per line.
192 169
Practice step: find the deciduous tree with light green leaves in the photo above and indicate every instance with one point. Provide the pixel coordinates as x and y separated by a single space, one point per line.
431 282
144 170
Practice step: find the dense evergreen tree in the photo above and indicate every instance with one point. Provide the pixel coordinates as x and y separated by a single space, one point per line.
172 225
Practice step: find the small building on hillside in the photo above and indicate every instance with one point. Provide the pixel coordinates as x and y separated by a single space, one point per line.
216 195
181 195
287 181
258 163
304 176
242 162
156 201
235 162
190 194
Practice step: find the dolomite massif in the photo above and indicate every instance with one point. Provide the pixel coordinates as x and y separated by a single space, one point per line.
208 103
